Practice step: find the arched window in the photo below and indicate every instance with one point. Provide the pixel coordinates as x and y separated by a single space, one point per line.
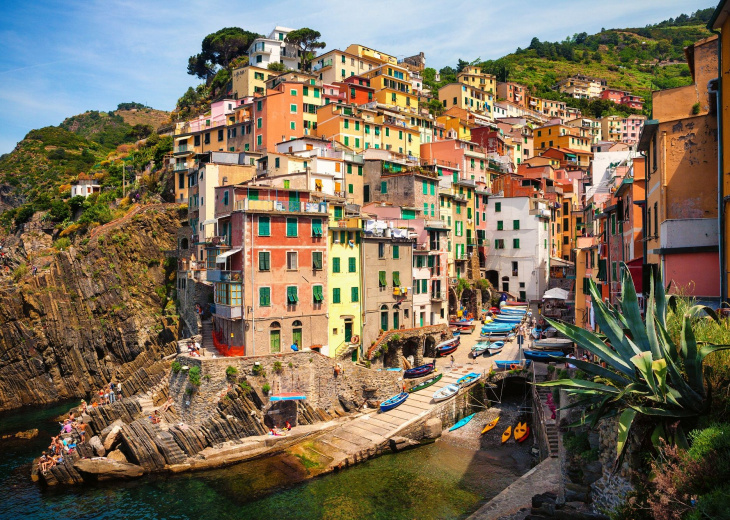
275 325
296 323
184 243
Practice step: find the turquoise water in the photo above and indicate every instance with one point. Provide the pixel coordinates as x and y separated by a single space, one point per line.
436 481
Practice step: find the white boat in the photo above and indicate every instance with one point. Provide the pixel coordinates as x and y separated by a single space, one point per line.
446 392
552 343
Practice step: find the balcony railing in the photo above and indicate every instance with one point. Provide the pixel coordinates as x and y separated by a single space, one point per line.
226 312
281 206
179 167
216 275
436 296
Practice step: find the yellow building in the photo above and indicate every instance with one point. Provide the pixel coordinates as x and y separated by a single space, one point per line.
392 85
459 126
397 136
466 97
611 128
250 81
337 65
561 136
474 77
344 283
371 54
343 124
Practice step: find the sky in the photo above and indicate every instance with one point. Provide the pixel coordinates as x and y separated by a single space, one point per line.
59 59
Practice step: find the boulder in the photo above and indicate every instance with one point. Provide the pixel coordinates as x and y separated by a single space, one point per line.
97 446
432 428
114 436
401 443
106 469
29 434
117 456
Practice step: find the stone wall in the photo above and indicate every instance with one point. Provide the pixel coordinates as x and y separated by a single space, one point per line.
610 491
190 292
307 372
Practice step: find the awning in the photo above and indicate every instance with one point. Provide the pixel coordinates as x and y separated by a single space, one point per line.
556 293
209 221
221 258
559 262
182 138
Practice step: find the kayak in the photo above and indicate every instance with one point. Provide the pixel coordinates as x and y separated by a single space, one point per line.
542 355
520 430
445 392
425 384
421 371
507 434
526 435
394 401
461 423
468 379
490 425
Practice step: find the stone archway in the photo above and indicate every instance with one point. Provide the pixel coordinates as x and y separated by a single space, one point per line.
429 347
412 351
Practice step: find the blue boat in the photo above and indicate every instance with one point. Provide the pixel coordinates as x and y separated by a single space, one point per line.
462 422
503 318
504 329
394 401
509 365
497 336
421 371
468 379
507 310
543 355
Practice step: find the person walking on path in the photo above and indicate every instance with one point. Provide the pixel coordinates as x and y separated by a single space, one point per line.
452 361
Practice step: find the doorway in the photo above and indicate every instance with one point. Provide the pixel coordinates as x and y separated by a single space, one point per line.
348 330
384 317
296 333
275 338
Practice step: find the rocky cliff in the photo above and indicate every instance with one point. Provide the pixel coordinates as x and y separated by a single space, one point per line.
94 313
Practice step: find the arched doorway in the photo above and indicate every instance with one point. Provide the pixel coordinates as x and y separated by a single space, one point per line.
296 334
184 243
493 278
384 317
275 337
412 351
429 349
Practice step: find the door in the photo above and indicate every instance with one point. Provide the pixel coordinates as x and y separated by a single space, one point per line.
384 320
348 331
396 320
423 319
275 341
297 337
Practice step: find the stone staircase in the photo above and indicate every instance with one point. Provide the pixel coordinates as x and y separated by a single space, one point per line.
549 424
206 341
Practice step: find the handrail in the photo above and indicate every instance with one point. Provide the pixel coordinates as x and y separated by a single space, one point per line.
340 349
540 410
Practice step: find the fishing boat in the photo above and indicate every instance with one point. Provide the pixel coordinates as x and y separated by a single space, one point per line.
513 310
468 379
520 430
461 322
479 348
525 436
447 347
497 336
544 356
503 318
462 422
420 371
513 303
495 348
490 425
507 434
445 392
394 401
552 343
288 396
498 327
512 364
425 384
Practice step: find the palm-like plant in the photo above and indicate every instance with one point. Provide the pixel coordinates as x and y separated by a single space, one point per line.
646 373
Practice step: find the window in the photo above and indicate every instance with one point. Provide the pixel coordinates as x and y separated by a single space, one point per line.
500 225
292 260
259 122
499 243
317 294
396 278
291 227
516 224
225 198
264 226
265 296
381 250
220 135
497 207
292 125
396 252
317 260
336 295
291 295
264 261
383 187
316 227
259 140
359 170
336 264
382 282
293 109
613 223
656 219
338 212
293 92
354 295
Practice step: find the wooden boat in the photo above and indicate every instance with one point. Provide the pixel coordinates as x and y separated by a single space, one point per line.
497 336
479 348
490 425
425 384
520 430
421 371
446 392
510 365
498 327
288 396
552 343
503 318
460 323
513 303
525 436
394 401
544 356
468 379
495 348
462 422
507 434
447 347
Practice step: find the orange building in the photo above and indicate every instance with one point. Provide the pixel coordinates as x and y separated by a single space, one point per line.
278 116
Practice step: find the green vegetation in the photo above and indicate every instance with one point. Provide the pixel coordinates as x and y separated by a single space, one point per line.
266 388
176 366
231 371
277 366
307 40
218 50
258 370
245 387
194 376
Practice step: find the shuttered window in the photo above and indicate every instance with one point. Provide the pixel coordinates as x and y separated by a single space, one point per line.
336 264
317 295
264 261
291 295
381 279
291 227
354 294
336 295
396 278
264 226
396 252
316 227
352 267
265 296
317 260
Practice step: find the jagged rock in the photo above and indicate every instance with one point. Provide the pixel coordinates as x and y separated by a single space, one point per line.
114 435
28 434
432 428
117 456
106 469
97 445
401 443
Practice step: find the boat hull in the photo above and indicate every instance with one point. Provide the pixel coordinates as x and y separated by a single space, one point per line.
425 384
394 401
462 422
421 371
543 356
445 393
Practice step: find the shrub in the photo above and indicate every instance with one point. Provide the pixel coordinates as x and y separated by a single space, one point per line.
231 371
245 387
368 364
62 243
258 370
20 271
266 388
176 367
277 366
194 376
291 365
696 109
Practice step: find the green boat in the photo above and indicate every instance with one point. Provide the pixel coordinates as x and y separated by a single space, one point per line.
425 384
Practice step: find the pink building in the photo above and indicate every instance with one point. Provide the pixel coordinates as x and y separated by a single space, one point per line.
631 128
613 94
632 101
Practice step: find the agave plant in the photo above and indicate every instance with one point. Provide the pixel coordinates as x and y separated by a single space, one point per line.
646 373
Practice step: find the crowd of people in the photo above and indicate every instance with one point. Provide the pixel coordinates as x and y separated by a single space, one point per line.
64 443
193 348
278 432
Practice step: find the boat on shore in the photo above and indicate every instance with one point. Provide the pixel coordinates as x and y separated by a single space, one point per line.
512 364
446 392
425 384
552 343
544 356
491 424
394 401
462 422
420 371
447 347
497 336
468 379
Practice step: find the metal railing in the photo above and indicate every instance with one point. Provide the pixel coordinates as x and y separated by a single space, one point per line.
281 206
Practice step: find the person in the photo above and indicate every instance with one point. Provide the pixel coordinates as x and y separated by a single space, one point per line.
82 406
404 386
568 364
81 428
288 426
112 397
119 390
43 462
67 427
452 361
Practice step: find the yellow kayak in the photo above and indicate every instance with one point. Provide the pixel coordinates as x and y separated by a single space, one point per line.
507 434
490 425
520 430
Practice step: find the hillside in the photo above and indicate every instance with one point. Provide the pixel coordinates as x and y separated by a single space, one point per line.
638 60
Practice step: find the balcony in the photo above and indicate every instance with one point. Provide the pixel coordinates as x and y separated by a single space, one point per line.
540 212
349 223
227 312
276 206
318 66
462 258
216 275
181 167
183 150
436 296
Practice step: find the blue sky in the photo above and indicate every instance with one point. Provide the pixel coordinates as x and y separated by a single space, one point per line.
62 58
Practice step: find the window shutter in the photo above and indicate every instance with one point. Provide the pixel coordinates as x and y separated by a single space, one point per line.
317 260
354 294
336 264
317 227
396 252
352 264
381 279
396 279
264 226
336 295
291 227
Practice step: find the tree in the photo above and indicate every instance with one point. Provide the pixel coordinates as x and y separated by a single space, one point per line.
307 41
218 50
435 107
276 66
461 65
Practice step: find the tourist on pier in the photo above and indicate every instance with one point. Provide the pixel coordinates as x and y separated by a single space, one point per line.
45 462
288 426
452 361
82 407
81 428
119 391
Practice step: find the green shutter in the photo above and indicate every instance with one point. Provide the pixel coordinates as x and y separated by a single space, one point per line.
264 226
602 269
317 293
500 225
264 296
425 188
396 252
336 264
354 296
431 260
352 267
381 279
383 187
291 227
497 207
516 243
516 224
336 295
316 260
338 212
291 295
316 227
264 261
396 279
424 286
